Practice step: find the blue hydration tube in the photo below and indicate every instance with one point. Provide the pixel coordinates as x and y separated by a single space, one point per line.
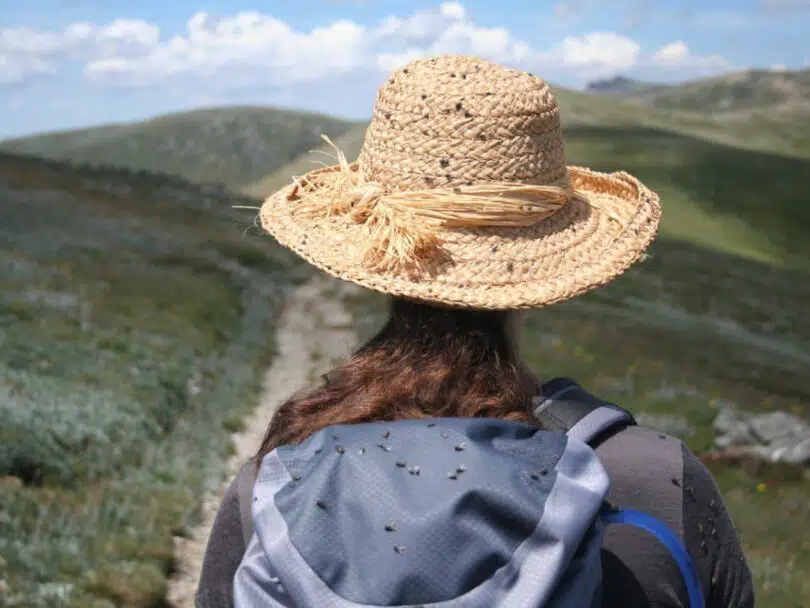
662 532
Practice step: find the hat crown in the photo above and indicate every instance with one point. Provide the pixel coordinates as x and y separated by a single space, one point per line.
457 120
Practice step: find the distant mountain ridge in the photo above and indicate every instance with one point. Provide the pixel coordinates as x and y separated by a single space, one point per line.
749 90
621 86
230 145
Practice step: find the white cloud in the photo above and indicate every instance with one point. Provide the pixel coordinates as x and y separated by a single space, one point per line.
388 62
445 30
676 62
605 50
80 40
678 59
15 70
672 53
246 46
25 52
579 57
422 25
454 9
255 50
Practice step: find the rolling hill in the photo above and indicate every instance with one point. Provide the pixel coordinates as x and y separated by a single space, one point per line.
247 149
775 134
349 143
750 90
232 146
757 109
136 323
714 181
780 133
623 88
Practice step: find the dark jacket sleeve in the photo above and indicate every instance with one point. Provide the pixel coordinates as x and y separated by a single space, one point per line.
712 539
224 551
657 474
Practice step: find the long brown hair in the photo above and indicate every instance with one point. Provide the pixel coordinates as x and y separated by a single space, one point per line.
425 361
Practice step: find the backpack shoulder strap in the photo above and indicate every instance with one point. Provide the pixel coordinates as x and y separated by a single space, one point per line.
566 407
245 480
672 543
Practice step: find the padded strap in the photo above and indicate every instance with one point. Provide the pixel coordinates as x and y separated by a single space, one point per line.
598 421
673 544
244 492
566 407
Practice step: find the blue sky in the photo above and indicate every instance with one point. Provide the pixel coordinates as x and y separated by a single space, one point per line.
72 63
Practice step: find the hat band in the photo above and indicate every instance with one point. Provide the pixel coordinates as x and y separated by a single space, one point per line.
402 228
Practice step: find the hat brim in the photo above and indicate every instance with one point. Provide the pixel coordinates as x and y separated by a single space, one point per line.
581 247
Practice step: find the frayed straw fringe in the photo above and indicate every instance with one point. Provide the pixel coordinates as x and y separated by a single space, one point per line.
402 229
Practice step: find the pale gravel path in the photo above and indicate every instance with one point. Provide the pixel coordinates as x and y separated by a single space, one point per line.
314 333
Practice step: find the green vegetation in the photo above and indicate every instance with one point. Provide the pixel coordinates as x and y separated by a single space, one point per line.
673 340
137 310
726 197
254 150
229 146
783 130
781 134
731 199
750 90
717 315
349 143
756 109
136 320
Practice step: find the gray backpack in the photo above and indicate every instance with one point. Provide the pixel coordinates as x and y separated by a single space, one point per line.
442 512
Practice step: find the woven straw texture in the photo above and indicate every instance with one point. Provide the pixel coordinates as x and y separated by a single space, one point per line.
457 124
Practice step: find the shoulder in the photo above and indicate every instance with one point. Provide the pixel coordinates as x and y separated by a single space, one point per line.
644 463
238 490
646 474
226 544
656 473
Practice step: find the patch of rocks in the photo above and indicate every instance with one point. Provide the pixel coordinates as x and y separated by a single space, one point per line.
772 436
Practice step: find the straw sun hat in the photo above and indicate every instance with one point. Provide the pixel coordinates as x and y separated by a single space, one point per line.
461 197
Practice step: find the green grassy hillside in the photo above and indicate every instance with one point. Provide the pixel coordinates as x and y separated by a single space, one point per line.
232 146
252 150
755 109
724 196
749 90
784 130
136 320
349 143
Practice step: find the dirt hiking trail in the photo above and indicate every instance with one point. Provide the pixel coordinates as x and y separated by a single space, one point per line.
313 334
